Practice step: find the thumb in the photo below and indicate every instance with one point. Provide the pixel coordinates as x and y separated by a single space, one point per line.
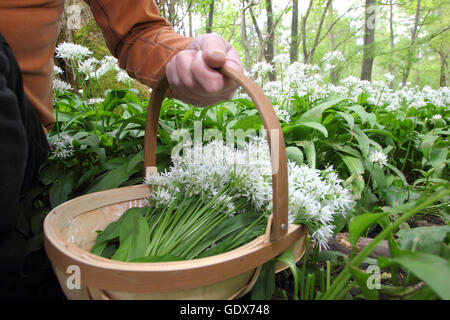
214 49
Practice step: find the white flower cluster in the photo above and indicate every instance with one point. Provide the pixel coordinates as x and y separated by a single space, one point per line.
88 67
261 68
378 157
315 197
94 101
92 68
57 70
305 79
122 76
332 59
62 147
71 51
60 85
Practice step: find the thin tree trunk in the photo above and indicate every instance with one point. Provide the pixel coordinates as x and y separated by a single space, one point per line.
172 12
304 20
443 73
319 31
334 71
411 47
369 40
269 53
244 37
191 33
391 34
293 53
210 17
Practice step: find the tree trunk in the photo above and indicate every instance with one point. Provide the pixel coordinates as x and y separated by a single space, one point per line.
369 40
304 20
319 31
244 37
334 71
293 53
391 33
191 33
210 17
269 53
411 47
443 73
172 12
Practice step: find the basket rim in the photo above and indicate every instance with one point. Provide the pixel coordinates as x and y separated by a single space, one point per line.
62 253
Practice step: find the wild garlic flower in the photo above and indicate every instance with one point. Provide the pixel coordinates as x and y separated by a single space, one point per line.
378 157
122 76
108 63
389 77
332 59
57 70
94 101
315 197
62 148
71 51
261 68
61 86
437 117
282 59
282 114
88 67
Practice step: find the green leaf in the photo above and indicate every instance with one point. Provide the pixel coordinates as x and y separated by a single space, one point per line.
112 179
364 115
164 258
135 160
60 189
295 155
354 165
251 122
315 114
111 232
361 279
134 237
438 156
224 229
363 142
427 145
382 132
49 173
265 284
398 172
360 223
314 125
348 118
310 152
432 269
423 239
288 259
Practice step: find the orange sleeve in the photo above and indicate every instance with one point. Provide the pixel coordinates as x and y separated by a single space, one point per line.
138 36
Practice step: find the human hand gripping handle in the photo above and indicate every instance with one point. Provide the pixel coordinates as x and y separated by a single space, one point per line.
193 76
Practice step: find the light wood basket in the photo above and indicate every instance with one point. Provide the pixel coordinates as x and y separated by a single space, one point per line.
70 232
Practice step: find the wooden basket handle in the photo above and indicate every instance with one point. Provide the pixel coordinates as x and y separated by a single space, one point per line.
275 138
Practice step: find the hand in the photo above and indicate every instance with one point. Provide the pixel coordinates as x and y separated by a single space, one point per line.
192 73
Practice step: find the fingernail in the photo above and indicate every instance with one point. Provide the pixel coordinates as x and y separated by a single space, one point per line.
219 52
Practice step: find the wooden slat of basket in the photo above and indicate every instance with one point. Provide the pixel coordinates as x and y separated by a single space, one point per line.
159 277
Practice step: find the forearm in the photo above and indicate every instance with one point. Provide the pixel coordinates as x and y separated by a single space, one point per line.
138 37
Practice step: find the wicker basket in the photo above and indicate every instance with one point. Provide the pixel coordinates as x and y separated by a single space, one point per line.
70 232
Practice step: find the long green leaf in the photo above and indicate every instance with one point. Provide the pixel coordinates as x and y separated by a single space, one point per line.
360 223
432 269
315 114
134 237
